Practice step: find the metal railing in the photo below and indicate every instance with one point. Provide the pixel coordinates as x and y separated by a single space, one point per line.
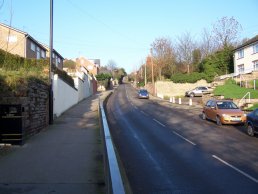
240 103
113 176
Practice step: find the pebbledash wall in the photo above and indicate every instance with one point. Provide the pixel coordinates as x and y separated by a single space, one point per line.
170 89
34 99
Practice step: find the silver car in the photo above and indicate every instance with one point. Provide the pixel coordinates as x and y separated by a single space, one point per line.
198 91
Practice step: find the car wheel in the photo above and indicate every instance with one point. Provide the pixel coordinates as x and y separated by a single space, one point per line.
204 117
191 95
218 121
250 130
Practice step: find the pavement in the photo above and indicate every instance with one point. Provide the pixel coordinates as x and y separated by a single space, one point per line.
65 158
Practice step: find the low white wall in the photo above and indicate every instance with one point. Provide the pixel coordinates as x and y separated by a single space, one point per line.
84 89
64 96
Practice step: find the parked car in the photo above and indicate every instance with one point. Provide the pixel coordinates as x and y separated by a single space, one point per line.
143 93
252 122
198 91
223 112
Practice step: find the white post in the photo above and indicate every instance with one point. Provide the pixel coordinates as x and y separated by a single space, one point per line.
173 99
254 84
179 101
190 102
170 99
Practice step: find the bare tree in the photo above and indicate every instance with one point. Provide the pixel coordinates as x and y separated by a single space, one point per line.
164 57
226 31
185 48
111 66
207 44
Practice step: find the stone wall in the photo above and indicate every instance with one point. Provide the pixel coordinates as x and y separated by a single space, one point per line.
170 89
34 99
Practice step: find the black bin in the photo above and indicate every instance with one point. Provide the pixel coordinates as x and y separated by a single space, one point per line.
11 128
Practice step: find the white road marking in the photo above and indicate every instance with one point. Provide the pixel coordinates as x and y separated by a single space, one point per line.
159 123
144 113
236 169
184 138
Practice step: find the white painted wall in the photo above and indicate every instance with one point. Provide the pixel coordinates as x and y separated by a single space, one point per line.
247 60
83 87
64 96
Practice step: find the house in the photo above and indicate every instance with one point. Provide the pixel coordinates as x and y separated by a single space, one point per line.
58 59
89 65
246 57
20 43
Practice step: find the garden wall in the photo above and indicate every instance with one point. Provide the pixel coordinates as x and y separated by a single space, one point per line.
34 99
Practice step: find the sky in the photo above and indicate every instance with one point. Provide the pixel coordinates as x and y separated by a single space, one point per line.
122 30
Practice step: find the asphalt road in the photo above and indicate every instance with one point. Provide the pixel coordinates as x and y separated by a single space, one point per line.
167 148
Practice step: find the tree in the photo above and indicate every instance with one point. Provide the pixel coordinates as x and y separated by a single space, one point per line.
111 65
70 64
185 48
208 44
226 31
164 57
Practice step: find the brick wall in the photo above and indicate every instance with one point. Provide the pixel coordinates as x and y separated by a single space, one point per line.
34 99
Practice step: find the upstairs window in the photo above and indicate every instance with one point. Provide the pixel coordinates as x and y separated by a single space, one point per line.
240 54
32 46
255 48
43 54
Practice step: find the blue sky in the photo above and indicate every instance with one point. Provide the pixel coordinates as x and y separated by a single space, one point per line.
121 30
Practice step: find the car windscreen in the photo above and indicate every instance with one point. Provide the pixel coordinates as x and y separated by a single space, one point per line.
226 105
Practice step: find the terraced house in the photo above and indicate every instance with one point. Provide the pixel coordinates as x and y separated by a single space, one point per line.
246 57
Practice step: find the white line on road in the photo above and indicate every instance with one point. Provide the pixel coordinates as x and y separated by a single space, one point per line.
235 168
159 123
144 113
184 138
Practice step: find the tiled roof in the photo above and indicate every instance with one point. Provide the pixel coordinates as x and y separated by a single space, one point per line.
249 42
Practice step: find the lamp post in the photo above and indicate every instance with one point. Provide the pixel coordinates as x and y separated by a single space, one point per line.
50 64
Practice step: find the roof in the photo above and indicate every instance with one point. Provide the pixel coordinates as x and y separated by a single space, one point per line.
24 33
249 42
47 48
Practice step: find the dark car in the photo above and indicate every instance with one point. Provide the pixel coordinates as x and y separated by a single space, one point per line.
142 93
252 122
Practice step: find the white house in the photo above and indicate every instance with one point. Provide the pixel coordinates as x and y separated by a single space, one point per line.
246 57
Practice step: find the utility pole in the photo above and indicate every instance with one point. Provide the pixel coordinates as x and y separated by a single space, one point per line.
145 78
152 73
50 64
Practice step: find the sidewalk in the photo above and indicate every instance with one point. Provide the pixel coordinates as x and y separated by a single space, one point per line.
63 159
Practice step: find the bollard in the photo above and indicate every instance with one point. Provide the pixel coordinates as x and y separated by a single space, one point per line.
190 102
173 99
179 100
170 99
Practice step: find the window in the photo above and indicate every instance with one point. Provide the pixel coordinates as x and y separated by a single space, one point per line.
38 53
12 39
241 68
32 46
240 54
255 65
255 48
43 54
